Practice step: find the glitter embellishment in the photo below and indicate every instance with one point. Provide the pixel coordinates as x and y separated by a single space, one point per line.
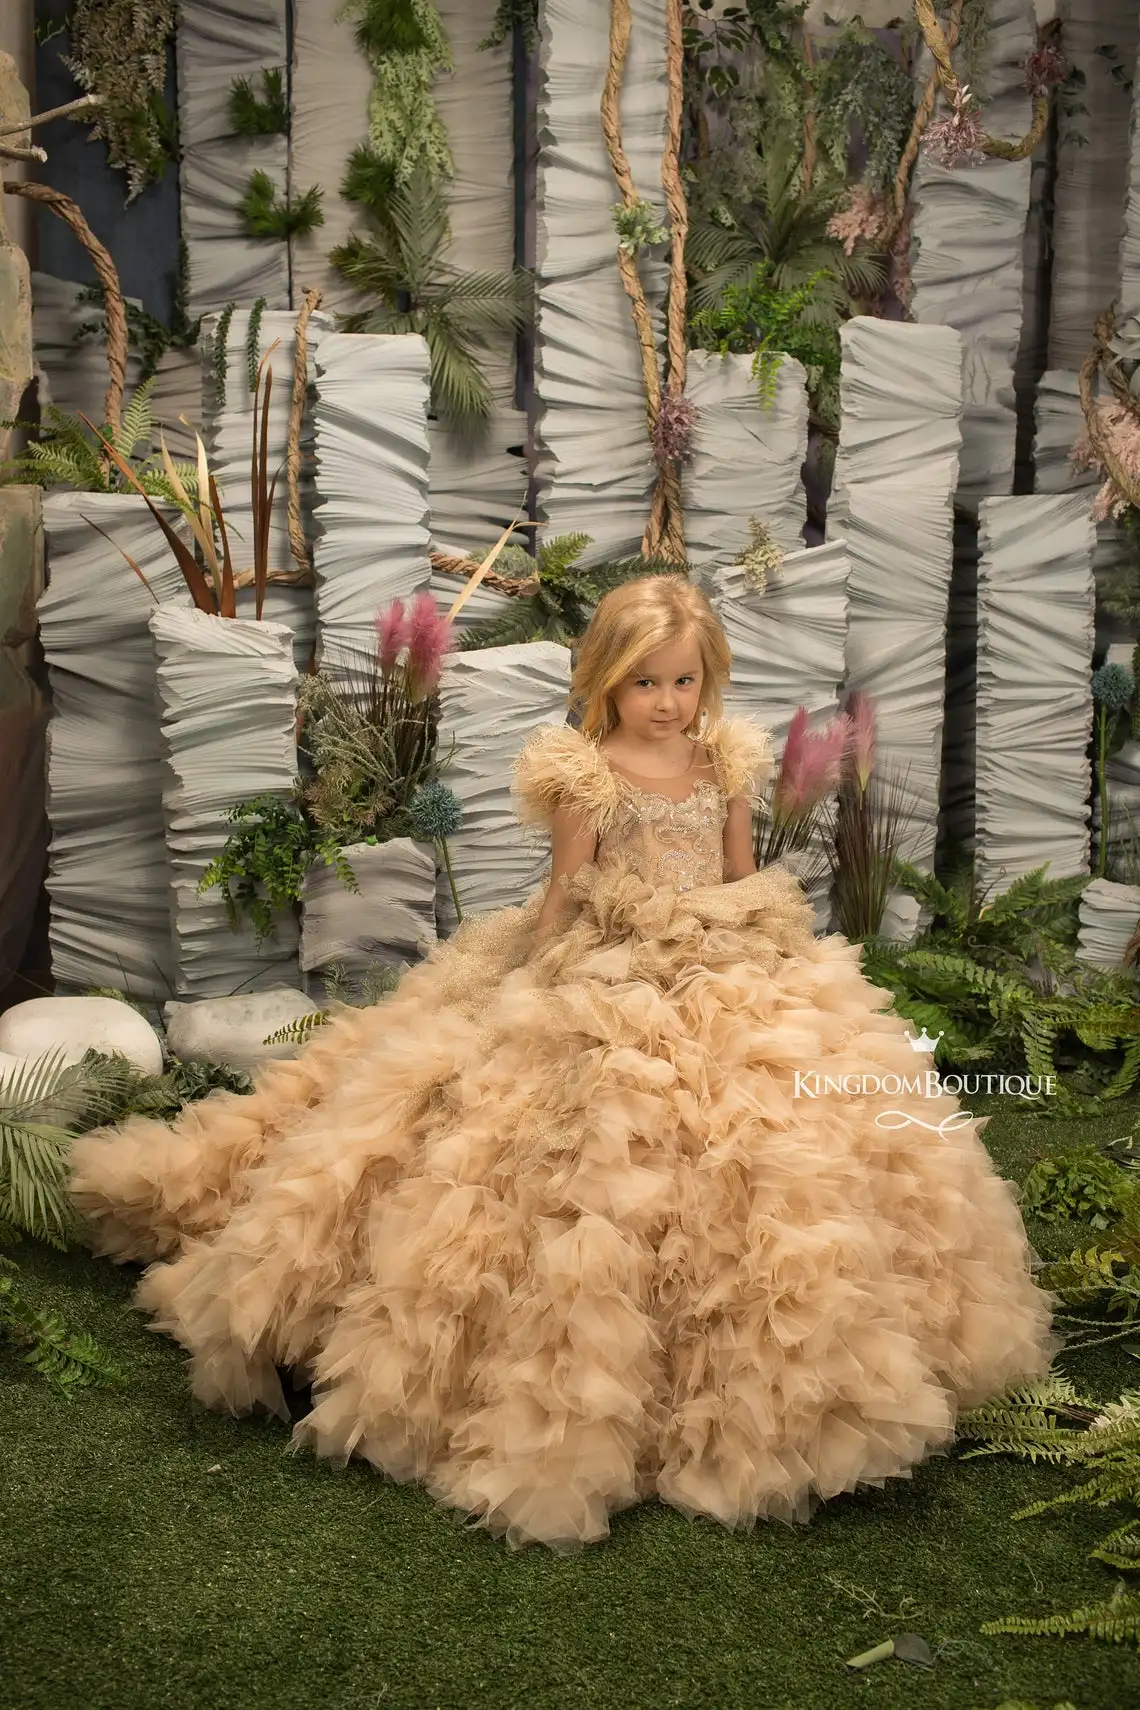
676 844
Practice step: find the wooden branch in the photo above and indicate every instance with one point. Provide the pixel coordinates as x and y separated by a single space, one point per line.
8 152
69 110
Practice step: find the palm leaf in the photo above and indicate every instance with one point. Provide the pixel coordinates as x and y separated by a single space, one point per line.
368 266
459 390
480 303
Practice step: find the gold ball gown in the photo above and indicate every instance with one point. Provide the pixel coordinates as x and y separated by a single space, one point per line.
549 1229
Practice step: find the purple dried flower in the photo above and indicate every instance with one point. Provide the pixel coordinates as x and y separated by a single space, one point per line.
1045 68
957 140
673 430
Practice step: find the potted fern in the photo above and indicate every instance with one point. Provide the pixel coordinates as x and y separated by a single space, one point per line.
354 850
370 736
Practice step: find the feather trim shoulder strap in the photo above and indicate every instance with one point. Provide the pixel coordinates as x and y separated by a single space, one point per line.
741 751
559 766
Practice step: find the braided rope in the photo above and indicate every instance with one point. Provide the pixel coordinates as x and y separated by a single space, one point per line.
450 565
667 538
948 78
298 545
108 276
923 115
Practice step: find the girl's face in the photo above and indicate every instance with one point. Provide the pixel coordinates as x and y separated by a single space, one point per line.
659 699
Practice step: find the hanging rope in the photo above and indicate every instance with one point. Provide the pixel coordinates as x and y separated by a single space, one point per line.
900 190
664 534
940 49
108 277
298 545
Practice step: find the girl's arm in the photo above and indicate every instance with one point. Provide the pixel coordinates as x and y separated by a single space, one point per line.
739 859
573 845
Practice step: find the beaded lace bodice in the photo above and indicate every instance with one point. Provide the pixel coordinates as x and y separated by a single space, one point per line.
677 844
669 832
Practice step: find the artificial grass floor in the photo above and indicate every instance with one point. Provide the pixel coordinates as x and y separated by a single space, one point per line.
154 1556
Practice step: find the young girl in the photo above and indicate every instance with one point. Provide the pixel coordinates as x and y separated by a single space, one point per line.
573 1219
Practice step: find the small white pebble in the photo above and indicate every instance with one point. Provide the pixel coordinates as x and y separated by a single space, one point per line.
216 1468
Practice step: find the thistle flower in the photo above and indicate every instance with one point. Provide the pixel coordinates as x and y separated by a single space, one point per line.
957 140
1113 686
435 812
430 638
861 712
673 430
809 766
1044 69
392 635
863 215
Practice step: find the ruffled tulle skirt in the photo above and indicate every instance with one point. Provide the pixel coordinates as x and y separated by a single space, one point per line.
558 1233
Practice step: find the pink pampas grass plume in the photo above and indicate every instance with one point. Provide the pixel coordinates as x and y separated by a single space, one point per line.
809 766
392 636
862 715
430 639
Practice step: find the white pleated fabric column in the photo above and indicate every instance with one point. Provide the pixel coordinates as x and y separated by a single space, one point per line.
747 457
1034 706
478 482
967 231
219 41
895 477
227 692
1092 172
1109 914
492 700
596 473
787 647
107 874
372 484
1130 236
788 641
332 82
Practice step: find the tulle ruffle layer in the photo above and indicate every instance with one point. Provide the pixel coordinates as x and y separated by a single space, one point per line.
558 1232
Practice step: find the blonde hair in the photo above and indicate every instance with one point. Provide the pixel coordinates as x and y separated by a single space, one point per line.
632 621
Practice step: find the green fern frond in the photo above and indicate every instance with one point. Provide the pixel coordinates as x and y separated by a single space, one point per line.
137 423
1121 1549
297 1032
1117 1620
520 622
1032 1405
558 556
67 1360
1036 895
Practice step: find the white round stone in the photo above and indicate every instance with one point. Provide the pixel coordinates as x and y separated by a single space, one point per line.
73 1025
233 1030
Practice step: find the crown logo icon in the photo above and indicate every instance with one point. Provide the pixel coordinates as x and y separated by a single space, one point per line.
924 1042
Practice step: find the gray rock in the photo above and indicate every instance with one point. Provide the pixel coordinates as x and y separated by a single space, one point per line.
234 1030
